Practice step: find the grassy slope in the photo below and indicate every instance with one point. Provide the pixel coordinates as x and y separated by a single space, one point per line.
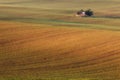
53 48
62 12
59 17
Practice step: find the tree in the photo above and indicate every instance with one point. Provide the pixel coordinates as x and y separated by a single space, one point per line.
89 12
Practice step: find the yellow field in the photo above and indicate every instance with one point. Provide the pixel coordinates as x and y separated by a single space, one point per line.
43 52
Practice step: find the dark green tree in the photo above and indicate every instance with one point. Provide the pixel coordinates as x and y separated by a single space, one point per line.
89 12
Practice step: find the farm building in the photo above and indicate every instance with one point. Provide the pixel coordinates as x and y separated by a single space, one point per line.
81 13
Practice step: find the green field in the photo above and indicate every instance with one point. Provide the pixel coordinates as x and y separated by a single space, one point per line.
44 40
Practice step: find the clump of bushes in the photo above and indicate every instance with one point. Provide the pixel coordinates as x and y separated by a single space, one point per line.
89 12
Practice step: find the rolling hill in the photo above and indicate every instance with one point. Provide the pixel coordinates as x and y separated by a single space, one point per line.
33 51
43 40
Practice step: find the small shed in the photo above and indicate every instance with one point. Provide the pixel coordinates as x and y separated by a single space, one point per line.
81 13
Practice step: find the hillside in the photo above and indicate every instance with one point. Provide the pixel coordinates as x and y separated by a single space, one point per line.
44 40
45 52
